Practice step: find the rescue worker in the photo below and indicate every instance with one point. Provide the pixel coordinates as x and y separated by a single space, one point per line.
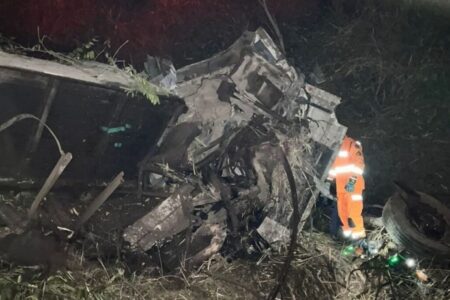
348 170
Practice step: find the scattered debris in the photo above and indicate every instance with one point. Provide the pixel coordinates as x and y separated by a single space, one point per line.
230 163
169 218
215 173
421 275
245 106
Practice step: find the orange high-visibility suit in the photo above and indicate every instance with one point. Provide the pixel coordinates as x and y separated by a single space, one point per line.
348 169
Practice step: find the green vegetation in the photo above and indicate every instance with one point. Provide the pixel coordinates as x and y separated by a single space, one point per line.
91 51
140 85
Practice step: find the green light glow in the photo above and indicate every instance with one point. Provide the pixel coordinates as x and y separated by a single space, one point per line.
348 250
394 260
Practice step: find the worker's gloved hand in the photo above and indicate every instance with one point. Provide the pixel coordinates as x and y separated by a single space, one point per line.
350 186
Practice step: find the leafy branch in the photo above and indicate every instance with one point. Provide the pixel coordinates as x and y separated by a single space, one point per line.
139 85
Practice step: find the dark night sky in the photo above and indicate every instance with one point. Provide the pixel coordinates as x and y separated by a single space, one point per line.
175 28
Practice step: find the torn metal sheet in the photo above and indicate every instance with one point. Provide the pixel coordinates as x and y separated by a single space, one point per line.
215 234
273 232
164 221
209 165
161 72
207 196
249 103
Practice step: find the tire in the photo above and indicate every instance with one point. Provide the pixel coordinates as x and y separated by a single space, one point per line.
401 230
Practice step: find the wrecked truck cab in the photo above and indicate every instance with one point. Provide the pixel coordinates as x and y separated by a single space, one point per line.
87 108
224 163
252 78
245 107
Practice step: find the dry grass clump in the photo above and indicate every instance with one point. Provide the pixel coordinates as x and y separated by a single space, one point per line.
112 283
318 271
311 275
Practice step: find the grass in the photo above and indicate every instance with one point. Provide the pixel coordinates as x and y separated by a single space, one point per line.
215 279
392 68
318 271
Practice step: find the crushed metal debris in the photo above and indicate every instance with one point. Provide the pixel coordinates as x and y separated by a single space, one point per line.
212 180
228 166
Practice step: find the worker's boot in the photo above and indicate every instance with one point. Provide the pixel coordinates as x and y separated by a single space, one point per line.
358 235
346 233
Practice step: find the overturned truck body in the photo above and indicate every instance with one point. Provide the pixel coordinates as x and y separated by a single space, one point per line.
232 155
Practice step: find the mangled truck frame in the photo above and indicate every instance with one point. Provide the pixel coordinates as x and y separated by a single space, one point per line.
230 160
